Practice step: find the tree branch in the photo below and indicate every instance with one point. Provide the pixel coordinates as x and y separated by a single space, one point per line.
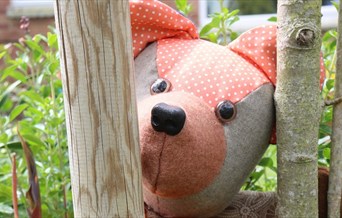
298 106
335 179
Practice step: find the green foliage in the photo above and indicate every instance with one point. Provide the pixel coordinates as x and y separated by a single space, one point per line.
31 100
272 19
183 6
264 176
219 29
258 6
329 40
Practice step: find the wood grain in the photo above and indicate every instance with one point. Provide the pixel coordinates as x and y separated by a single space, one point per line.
98 82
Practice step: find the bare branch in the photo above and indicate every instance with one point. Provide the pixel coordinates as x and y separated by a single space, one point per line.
335 179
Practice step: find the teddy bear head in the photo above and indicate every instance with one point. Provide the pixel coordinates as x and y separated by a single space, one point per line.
205 111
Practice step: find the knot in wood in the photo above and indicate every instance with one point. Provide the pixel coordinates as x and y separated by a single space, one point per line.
305 37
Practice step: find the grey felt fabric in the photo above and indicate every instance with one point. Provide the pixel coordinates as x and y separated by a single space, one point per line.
245 204
145 71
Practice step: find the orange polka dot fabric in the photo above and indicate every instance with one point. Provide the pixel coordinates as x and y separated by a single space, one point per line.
152 20
212 72
259 46
209 71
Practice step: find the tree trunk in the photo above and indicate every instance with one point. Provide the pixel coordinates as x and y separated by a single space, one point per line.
335 179
97 75
297 103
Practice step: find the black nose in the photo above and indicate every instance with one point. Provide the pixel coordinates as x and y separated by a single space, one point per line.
167 118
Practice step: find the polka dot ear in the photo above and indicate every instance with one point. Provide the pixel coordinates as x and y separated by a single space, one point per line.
225 111
160 86
154 20
259 46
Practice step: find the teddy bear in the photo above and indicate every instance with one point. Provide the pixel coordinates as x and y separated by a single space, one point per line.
205 111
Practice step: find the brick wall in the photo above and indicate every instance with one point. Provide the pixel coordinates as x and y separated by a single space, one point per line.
9 27
10 31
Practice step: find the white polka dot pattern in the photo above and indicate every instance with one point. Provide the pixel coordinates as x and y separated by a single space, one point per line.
259 46
152 20
209 71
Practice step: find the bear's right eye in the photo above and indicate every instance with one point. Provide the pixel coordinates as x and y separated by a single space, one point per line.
160 86
225 111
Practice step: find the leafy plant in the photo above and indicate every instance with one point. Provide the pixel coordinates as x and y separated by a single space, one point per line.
183 7
31 102
329 54
264 176
219 29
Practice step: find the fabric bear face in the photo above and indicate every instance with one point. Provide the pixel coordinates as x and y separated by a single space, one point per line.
205 111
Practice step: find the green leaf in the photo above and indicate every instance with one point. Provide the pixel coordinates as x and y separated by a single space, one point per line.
5 193
225 11
53 67
266 162
3 138
181 3
9 89
234 13
6 104
13 146
14 74
215 23
212 37
233 35
256 175
272 19
8 70
230 22
17 111
183 6
273 168
336 4
33 96
32 139
325 129
188 9
34 46
35 114
2 54
330 83
6 209
38 37
326 153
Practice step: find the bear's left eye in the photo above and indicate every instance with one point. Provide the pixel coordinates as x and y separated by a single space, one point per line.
225 111
160 85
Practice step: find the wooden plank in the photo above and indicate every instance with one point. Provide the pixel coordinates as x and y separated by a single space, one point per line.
97 74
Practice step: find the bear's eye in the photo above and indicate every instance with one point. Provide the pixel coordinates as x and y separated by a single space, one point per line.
225 111
160 85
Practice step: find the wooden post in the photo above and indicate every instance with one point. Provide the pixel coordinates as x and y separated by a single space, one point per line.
335 178
298 106
97 74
